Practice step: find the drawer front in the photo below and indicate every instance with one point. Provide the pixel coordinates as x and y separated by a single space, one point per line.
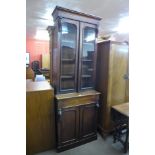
77 101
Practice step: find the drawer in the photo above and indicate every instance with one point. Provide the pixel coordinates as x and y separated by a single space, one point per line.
69 102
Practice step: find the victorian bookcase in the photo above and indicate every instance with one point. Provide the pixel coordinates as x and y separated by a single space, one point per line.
73 70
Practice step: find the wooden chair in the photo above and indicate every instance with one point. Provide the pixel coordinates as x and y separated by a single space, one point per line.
35 67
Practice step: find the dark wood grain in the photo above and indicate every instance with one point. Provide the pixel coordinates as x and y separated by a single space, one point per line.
102 83
68 125
55 57
50 30
75 15
76 119
88 120
75 107
81 20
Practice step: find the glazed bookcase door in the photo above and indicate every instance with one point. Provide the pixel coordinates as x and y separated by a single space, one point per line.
68 55
87 56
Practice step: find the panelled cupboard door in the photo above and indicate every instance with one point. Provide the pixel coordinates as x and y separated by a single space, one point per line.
68 125
69 37
87 56
118 74
88 120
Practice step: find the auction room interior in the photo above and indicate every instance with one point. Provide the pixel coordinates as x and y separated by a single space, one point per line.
77 77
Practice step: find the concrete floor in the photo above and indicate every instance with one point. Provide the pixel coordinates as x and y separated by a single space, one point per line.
97 147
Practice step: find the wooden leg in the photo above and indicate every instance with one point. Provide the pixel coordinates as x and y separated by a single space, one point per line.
114 139
126 141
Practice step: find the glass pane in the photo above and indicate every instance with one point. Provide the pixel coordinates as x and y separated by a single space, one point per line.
67 84
88 57
68 55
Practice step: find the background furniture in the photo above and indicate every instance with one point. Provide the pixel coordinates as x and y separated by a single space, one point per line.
40 78
27 59
40 117
46 61
120 118
112 80
73 76
29 73
45 72
35 67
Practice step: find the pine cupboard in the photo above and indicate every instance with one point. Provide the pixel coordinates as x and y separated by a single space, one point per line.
112 80
74 55
40 117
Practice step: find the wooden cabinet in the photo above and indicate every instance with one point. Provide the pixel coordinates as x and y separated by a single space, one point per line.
40 117
76 117
73 66
74 50
112 79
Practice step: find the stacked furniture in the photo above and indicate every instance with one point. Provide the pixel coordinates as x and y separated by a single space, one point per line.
73 66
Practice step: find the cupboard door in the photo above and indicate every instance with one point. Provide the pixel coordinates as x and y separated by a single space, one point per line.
118 74
69 54
87 56
126 77
68 125
88 120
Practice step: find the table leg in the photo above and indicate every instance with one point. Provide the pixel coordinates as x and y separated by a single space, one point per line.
126 141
